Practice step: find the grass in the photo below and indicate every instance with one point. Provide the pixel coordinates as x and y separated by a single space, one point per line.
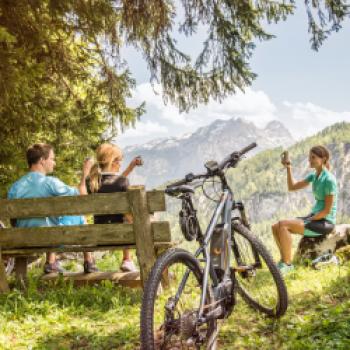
107 317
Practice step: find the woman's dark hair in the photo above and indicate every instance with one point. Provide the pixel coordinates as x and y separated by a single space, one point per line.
322 152
38 151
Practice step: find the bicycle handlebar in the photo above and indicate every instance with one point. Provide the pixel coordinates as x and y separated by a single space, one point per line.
188 178
248 148
233 158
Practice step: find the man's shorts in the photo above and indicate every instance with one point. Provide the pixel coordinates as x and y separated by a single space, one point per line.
316 228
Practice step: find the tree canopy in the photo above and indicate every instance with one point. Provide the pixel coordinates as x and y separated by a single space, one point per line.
63 79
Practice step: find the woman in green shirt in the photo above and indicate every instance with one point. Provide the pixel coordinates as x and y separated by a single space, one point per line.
321 220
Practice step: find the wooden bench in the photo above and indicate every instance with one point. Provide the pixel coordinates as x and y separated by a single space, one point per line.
146 236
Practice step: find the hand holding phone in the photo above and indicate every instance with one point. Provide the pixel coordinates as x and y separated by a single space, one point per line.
139 161
285 160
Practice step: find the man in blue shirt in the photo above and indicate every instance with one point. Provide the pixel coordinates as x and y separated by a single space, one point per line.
36 184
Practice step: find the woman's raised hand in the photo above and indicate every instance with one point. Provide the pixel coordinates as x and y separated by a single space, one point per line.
285 160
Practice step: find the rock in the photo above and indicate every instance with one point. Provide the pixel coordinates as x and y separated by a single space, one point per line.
344 253
311 248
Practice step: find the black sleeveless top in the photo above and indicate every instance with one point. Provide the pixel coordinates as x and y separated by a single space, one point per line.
111 183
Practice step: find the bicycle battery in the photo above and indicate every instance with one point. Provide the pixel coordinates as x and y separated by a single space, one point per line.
219 247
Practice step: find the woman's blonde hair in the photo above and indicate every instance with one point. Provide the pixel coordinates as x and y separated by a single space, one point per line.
322 152
106 154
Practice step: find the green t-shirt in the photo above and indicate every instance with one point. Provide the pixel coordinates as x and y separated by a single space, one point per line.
324 185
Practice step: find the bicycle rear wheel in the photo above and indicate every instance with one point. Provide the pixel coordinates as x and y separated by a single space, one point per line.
259 281
169 312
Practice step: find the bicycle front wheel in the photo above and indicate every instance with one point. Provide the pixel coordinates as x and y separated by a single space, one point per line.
171 303
259 282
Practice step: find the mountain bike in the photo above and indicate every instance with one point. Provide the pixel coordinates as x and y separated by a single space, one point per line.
186 294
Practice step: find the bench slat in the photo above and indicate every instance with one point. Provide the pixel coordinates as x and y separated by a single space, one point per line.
101 203
58 236
75 248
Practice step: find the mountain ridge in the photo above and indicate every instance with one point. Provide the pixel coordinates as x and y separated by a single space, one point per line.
172 158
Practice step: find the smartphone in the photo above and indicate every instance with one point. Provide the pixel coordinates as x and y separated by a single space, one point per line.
139 161
285 157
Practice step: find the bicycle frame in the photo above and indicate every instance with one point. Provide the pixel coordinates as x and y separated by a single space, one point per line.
223 209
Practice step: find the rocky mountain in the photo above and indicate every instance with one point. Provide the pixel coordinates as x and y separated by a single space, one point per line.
172 158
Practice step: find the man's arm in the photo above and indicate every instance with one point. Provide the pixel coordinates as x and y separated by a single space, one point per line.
86 171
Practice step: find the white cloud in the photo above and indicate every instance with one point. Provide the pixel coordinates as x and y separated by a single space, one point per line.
152 95
143 131
252 105
304 119
160 120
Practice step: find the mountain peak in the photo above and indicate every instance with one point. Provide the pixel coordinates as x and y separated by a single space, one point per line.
174 157
274 125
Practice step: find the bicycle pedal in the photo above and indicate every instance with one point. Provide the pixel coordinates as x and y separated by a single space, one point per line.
241 268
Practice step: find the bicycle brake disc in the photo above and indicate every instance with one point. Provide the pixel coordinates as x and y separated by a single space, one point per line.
188 225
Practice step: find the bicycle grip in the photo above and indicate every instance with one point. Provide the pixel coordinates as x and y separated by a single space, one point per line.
248 148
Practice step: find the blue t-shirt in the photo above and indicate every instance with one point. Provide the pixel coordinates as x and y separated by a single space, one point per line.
324 185
38 185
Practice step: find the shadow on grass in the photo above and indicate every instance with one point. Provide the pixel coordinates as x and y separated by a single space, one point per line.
315 320
125 338
92 300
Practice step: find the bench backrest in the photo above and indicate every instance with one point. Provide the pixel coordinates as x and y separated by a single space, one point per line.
84 235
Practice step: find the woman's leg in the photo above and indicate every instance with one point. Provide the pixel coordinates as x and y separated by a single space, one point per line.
88 257
126 254
274 228
285 229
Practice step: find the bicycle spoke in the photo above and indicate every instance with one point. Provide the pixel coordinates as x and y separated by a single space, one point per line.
176 308
258 286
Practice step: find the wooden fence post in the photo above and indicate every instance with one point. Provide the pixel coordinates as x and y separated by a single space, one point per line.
145 249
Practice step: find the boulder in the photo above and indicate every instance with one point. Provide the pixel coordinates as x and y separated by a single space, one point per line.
311 248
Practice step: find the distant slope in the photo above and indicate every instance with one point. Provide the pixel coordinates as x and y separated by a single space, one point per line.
261 180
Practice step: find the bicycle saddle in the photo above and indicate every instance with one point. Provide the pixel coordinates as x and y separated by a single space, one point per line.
175 191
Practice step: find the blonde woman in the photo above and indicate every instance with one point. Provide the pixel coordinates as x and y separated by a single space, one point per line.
321 220
105 178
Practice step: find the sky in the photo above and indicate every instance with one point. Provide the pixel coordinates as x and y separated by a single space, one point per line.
304 89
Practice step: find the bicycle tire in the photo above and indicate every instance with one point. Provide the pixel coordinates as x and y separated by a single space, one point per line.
151 289
257 247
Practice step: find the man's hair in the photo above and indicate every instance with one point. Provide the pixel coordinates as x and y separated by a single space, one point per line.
38 151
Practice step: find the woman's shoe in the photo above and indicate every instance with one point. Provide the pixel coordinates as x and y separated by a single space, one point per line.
128 266
53 268
285 268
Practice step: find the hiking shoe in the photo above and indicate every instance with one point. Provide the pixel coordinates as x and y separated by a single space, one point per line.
285 268
53 268
128 266
90 267
280 264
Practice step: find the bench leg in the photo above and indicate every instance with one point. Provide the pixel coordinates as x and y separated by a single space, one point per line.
145 250
4 287
165 276
21 269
